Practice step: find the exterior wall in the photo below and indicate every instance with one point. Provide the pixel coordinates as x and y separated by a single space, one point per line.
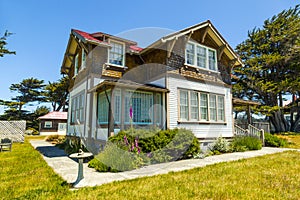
76 129
55 127
205 130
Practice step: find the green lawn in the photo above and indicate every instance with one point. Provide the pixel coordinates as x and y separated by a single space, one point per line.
292 138
25 175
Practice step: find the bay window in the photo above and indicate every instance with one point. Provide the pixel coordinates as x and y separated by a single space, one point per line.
140 101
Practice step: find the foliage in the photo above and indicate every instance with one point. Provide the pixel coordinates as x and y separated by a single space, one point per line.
57 93
221 145
245 143
56 139
162 145
274 141
71 145
271 57
25 175
30 90
34 131
3 43
115 159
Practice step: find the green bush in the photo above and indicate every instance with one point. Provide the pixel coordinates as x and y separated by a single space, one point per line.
221 145
115 159
161 145
274 141
71 144
244 143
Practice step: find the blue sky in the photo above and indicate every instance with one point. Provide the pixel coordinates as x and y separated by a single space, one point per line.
42 28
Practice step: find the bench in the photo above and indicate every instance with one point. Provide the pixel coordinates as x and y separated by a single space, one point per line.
5 143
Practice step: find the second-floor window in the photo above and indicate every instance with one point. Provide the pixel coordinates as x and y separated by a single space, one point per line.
200 56
116 54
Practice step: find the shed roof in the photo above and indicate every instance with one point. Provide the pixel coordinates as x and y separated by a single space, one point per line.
55 115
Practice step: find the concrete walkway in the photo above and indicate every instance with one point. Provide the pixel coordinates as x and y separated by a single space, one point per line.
68 168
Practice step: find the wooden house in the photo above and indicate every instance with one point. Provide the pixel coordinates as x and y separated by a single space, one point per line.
53 123
181 80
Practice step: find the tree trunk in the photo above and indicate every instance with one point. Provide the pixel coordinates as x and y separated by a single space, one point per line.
279 122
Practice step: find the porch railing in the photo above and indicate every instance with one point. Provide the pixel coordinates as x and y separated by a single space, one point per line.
251 131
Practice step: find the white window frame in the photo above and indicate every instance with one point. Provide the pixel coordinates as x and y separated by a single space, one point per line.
219 118
77 108
83 59
123 56
48 124
76 67
195 56
146 106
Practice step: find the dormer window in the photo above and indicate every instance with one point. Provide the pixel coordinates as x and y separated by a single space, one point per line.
117 53
200 56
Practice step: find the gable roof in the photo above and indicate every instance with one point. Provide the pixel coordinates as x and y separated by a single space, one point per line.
55 115
211 30
98 38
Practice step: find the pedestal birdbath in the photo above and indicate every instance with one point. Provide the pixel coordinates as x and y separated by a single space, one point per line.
80 156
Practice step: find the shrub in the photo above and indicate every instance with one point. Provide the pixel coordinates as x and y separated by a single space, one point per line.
221 145
56 139
32 131
244 143
161 145
115 159
71 144
274 141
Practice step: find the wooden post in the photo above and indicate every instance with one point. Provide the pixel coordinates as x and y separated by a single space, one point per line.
249 114
262 136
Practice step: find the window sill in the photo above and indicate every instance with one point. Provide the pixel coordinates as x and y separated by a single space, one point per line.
114 67
201 122
201 69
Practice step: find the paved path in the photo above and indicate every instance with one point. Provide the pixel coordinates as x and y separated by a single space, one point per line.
67 168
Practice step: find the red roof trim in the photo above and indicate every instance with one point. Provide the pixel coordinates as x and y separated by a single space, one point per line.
88 36
136 48
55 115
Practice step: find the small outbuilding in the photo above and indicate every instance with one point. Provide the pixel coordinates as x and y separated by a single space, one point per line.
53 123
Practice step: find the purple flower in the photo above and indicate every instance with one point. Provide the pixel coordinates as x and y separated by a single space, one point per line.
136 142
125 140
130 112
139 150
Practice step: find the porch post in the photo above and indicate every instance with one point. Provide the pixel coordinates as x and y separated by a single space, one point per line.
111 122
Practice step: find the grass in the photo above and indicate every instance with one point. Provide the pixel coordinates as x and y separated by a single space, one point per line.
25 175
292 138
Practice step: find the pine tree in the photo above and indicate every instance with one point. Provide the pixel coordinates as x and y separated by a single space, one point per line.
271 57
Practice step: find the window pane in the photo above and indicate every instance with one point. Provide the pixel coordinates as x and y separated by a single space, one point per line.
76 67
117 106
116 54
83 59
201 56
184 107
190 53
212 59
221 113
103 108
203 106
142 107
194 106
212 107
